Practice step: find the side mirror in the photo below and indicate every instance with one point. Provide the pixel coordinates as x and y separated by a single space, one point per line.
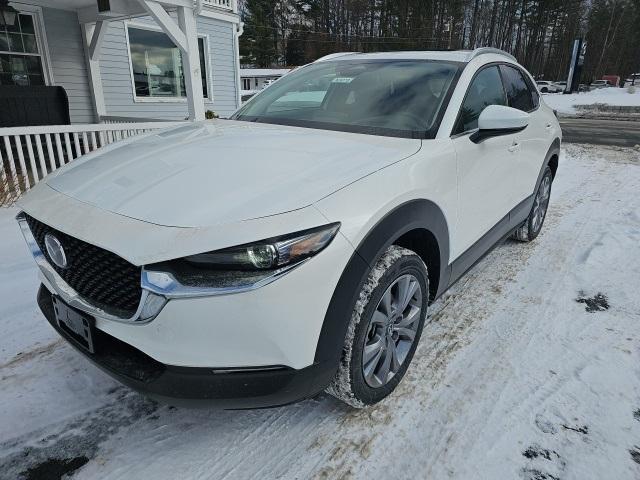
496 120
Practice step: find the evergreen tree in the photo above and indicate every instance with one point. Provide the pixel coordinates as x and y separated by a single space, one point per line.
540 33
258 43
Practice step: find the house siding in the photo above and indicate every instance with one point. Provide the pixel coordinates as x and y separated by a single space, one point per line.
68 65
116 74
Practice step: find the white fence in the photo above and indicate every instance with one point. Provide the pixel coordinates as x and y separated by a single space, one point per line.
28 154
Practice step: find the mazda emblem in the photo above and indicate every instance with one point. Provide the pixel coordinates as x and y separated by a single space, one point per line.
55 251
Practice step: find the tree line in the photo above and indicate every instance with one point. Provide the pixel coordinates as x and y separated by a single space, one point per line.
539 33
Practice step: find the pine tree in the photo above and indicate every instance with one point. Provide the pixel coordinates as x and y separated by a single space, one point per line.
258 43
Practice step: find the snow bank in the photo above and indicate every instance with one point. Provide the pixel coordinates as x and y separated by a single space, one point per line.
609 96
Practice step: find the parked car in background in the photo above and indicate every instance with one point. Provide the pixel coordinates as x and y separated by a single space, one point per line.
546 86
562 84
614 80
600 84
269 82
311 233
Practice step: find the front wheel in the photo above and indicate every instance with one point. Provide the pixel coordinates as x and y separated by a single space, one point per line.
532 226
384 329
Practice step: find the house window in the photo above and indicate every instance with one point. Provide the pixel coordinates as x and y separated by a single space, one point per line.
156 64
246 84
20 54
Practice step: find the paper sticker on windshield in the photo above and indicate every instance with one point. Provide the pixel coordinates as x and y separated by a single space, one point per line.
342 80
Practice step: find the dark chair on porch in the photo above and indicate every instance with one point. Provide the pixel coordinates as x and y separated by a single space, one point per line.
22 106
28 106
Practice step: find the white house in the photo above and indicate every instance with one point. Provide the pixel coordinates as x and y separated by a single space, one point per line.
254 79
135 58
126 66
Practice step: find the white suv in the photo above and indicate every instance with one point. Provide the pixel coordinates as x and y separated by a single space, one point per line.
546 86
295 248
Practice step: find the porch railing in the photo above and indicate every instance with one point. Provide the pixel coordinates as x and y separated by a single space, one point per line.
224 4
28 154
116 119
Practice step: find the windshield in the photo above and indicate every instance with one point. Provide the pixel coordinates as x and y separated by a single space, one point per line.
394 98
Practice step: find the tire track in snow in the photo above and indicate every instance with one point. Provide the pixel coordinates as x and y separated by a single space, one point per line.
68 440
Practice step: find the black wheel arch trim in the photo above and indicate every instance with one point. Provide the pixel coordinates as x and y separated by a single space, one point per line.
554 149
521 211
411 215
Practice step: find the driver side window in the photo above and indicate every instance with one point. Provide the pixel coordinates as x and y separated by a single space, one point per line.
485 89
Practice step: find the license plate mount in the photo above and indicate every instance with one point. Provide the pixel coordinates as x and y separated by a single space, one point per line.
80 327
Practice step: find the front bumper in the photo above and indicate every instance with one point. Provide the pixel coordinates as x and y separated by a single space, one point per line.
275 322
237 388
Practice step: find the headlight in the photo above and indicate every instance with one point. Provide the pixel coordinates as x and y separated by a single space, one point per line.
268 254
241 267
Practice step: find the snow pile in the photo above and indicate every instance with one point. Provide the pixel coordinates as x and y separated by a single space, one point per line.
607 96
528 368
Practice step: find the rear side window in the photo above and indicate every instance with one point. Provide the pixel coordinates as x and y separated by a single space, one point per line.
485 89
518 91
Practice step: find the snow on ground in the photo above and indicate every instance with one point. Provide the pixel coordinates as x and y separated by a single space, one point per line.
610 96
528 369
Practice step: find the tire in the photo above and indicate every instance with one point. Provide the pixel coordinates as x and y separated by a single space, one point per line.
544 90
530 229
373 327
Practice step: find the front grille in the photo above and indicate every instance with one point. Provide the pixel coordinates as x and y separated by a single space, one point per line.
99 276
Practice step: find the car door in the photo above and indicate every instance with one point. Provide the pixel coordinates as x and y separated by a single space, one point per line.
485 169
533 140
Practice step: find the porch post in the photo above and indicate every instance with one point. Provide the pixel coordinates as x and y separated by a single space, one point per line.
93 66
191 63
185 36
238 31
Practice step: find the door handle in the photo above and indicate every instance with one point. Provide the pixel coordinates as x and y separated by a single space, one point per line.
514 146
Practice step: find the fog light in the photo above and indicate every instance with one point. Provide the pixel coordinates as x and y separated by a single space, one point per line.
152 306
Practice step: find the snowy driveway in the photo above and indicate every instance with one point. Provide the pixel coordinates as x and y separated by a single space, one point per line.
529 368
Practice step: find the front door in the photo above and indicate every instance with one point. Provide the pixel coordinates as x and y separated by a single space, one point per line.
535 139
486 192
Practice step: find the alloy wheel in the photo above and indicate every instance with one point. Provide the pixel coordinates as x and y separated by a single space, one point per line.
541 203
392 330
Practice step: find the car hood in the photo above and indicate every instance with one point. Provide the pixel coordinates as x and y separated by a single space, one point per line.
215 172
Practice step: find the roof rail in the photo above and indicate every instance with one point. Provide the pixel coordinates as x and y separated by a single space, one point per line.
484 50
334 55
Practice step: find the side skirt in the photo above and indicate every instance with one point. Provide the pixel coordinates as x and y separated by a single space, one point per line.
494 237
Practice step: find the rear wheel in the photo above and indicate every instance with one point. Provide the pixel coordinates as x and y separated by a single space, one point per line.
532 226
384 330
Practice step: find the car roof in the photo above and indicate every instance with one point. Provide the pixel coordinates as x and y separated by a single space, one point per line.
462 56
